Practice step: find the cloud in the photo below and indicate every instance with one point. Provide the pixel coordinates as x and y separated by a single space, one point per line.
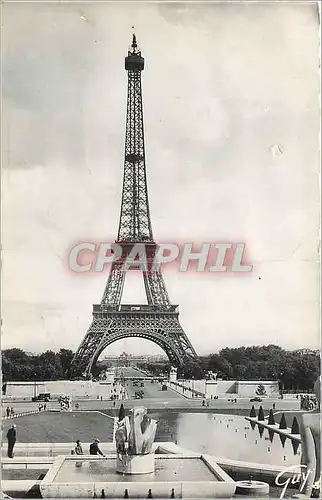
223 85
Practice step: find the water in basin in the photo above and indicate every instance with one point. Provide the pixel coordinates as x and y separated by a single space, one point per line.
171 469
227 436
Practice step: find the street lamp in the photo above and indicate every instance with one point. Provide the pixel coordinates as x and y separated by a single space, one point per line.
281 384
35 385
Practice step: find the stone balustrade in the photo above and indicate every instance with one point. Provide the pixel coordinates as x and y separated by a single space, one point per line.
20 414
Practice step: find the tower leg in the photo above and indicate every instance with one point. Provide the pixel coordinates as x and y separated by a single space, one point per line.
82 362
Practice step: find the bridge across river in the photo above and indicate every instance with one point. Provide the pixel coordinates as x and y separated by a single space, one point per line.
131 373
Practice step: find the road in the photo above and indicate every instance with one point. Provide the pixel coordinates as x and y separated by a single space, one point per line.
156 399
152 391
164 400
129 371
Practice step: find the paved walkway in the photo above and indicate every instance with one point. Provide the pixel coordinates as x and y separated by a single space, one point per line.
157 399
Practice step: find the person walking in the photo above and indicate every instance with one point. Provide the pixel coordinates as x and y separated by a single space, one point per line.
12 411
8 411
94 448
11 436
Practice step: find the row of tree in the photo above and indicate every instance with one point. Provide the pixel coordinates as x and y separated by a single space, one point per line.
294 369
19 366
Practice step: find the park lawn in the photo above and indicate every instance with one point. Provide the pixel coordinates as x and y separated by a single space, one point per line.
59 427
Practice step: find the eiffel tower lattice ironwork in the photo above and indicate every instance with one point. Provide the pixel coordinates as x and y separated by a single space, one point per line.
158 320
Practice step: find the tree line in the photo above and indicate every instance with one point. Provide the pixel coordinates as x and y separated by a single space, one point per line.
295 370
17 365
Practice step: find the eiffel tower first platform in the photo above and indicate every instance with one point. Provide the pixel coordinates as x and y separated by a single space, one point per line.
158 320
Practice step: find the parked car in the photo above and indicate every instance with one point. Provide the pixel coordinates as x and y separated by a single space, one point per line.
256 400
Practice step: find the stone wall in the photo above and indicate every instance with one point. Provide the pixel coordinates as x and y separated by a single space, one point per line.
250 387
24 389
79 388
194 386
224 388
75 389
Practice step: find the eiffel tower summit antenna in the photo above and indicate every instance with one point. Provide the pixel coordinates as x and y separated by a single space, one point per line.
158 320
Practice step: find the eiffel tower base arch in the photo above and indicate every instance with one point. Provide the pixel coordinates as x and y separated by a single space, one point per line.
146 322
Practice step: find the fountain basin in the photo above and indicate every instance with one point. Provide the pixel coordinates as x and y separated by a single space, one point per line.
252 488
189 476
136 464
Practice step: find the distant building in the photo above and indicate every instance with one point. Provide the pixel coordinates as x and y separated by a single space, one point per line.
314 352
127 359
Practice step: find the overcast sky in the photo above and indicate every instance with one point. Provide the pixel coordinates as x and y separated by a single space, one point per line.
231 126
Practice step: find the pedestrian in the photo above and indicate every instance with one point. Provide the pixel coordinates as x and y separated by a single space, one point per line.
11 436
203 402
114 403
273 406
94 448
8 411
78 451
78 448
45 406
12 411
101 398
208 404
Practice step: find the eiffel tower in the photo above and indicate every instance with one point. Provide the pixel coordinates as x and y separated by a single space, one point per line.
158 320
